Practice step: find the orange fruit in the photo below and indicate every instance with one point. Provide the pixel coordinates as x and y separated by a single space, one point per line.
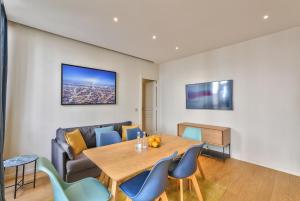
155 144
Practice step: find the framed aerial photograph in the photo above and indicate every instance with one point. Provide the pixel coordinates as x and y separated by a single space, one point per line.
87 86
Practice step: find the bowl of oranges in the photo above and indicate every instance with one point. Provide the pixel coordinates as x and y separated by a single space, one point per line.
154 141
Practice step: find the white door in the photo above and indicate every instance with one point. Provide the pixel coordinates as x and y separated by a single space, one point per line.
149 106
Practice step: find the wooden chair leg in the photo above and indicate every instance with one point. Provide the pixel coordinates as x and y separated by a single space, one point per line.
164 196
190 184
101 176
196 187
200 169
128 199
181 189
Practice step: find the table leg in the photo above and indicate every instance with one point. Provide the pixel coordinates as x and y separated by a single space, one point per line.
114 190
16 182
34 175
23 172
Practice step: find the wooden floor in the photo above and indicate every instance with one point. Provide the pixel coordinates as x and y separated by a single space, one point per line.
239 180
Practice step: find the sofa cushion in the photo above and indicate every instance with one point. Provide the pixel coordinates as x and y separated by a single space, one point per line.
80 163
67 148
101 130
76 141
91 172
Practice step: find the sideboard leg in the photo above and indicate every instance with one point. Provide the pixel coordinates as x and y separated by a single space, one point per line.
223 154
16 183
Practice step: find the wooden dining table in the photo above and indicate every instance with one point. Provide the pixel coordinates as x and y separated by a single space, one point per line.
121 161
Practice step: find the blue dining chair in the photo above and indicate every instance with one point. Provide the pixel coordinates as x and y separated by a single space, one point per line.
192 133
108 138
185 167
149 185
89 189
132 133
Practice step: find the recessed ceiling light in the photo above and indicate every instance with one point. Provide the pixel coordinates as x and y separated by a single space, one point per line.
116 19
176 48
154 37
265 17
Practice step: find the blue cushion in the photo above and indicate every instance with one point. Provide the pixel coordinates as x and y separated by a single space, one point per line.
98 132
108 138
192 133
132 186
132 133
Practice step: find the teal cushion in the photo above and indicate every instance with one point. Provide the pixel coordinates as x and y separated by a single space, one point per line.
192 133
99 131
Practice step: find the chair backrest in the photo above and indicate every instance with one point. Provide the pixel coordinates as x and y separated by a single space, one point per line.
132 133
58 185
156 182
192 133
110 138
188 163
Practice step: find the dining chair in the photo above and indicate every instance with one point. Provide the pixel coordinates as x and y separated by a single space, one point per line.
149 185
194 134
108 138
185 167
132 133
88 189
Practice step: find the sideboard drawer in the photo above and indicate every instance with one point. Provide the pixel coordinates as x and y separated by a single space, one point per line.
211 136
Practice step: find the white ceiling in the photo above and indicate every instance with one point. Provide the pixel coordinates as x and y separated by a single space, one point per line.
193 25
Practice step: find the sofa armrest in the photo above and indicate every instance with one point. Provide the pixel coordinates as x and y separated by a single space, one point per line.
59 158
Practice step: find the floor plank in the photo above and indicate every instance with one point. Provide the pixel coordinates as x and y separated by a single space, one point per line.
236 180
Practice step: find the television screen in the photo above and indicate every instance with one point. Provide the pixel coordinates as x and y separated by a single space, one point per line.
211 95
87 86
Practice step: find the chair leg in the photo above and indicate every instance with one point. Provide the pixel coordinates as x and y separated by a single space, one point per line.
190 184
200 169
181 189
128 199
196 187
164 196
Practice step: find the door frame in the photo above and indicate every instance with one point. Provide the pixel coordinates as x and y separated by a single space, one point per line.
141 102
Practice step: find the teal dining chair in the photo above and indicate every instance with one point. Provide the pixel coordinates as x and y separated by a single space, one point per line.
88 189
194 134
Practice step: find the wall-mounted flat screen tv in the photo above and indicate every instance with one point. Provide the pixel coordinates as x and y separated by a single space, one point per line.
87 86
216 95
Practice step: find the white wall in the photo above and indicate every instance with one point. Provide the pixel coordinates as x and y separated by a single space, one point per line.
266 118
33 104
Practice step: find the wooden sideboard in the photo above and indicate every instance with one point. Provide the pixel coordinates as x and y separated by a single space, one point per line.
211 135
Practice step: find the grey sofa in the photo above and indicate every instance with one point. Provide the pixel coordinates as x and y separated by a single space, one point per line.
72 169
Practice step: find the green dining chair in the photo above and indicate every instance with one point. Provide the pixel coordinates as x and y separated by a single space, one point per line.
88 189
